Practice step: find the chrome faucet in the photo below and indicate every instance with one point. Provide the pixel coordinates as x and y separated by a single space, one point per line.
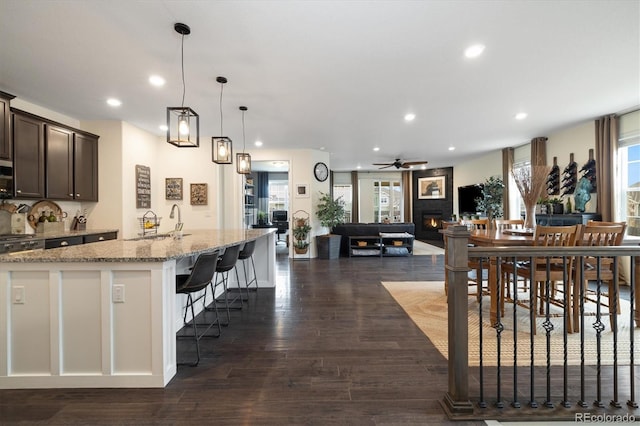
172 215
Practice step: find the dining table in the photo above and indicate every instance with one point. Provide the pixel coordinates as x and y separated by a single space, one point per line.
522 237
498 238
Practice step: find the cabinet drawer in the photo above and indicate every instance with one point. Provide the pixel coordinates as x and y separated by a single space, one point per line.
62 242
93 238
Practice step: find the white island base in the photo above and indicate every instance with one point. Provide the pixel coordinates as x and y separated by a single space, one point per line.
95 324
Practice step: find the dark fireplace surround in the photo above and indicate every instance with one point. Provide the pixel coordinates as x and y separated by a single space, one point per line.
428 214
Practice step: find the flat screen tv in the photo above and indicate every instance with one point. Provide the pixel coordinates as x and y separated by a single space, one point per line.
467 199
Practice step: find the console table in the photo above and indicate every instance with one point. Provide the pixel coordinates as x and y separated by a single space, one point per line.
566 219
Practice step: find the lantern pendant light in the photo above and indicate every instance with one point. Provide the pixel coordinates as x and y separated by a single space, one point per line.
243 159
183 123
221 148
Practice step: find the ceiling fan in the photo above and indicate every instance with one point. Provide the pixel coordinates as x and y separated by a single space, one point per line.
400 164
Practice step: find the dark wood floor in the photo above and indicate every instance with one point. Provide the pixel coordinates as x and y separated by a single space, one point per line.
328 346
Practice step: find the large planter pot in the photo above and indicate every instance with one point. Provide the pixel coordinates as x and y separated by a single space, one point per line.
301 250
328 246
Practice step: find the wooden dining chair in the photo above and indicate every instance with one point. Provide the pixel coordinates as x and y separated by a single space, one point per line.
502 224
535 270
478 265
597 233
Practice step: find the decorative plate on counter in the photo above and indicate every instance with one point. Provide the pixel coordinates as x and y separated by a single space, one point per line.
45 206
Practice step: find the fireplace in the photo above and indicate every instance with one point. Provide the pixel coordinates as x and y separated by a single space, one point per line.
431 224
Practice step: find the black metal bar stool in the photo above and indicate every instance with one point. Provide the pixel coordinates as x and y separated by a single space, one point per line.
225 263
200 277
246 256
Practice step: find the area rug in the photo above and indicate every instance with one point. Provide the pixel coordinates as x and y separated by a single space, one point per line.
426 304
424 249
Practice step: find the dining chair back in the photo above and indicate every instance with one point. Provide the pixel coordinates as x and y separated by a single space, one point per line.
502 224
544 272
601 269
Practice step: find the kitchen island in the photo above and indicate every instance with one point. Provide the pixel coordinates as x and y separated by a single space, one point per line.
104 314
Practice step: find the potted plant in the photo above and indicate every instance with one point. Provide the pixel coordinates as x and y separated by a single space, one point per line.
262 217
491 201
330 212
300 234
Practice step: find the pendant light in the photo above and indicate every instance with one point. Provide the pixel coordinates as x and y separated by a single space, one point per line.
221 148
243 159
183 123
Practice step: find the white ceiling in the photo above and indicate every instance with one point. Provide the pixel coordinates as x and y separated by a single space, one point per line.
333 75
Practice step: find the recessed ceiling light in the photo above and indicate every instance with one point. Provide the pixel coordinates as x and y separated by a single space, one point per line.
409 117
358 167
258 143
114 102
423 167
474 51
376 148
322 148
163 127
452 148
156 80
521 116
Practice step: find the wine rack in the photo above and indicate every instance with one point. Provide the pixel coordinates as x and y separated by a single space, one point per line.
569 177
588 171
553 181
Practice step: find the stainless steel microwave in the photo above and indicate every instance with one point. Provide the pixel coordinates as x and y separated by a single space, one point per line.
6 179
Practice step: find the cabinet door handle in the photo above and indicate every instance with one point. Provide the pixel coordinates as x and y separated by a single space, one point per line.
70 195
101 239
77 195
64 243
18 191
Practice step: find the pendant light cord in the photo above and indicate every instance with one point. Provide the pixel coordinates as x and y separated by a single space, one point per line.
221 89
184 87
243 135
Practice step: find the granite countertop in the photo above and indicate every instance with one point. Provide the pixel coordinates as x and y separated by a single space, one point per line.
147 249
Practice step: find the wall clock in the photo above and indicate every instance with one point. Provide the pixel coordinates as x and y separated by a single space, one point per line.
321 171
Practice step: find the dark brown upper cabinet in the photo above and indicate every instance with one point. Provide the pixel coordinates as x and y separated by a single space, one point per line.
53 161
59 166
72 164
5 126
28 156
85 167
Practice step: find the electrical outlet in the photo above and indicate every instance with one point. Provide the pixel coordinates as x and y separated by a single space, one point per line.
17 294
118 293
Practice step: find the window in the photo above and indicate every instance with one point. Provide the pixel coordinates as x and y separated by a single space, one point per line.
627 180
346 192
278 196
388 201
516 204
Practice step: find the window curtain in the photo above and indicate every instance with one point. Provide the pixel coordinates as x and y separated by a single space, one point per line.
606 136
539 151
355 208
507 165
406 195
262 189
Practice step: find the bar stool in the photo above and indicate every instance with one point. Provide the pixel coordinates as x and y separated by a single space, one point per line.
200 277
246 255
224 265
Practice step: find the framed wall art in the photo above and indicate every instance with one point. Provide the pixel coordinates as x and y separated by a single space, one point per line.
302 190
432 188
173 188
198 194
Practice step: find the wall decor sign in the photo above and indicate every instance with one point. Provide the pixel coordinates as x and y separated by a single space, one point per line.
173 188
143 187
432 188
198 194
302 190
